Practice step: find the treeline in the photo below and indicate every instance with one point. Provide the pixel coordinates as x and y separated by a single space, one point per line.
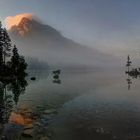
11 63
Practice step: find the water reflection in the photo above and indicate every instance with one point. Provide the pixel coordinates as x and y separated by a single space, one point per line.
129 82
132 73
10 90
56 76
57 81
131 77
89 105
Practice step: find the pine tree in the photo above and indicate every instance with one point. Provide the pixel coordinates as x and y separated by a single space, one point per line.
11 72
1 44
22 67
15 60
1 57
6 45
18 63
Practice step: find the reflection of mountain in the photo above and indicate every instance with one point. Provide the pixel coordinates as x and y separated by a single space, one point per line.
43 41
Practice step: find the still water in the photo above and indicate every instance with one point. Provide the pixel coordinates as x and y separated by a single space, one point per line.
83 105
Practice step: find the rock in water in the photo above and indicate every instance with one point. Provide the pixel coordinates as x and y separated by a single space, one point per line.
33 78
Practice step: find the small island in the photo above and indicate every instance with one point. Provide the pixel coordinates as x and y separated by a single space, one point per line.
134 72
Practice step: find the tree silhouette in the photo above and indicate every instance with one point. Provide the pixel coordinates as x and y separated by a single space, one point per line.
15 60
1 45
5 43
1 56
18 63
12 74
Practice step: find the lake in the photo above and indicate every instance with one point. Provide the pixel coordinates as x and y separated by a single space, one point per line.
81 105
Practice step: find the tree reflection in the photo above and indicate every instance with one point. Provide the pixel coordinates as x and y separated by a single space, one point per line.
129 82
10 91
56 76
132 73
1 102
18 87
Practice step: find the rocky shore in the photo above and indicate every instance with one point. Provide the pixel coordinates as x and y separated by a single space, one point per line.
24 124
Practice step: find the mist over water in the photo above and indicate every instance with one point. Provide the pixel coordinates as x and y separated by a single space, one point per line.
89 104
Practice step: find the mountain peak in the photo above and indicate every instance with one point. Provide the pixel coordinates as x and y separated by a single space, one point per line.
25 26
25 21
15 20
29 26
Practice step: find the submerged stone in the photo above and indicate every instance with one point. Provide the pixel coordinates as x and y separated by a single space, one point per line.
44 138
28 132
30 126
50 111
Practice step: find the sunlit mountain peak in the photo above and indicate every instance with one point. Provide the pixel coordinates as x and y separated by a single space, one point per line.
15 20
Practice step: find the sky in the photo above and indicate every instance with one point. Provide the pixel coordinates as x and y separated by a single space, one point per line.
112 26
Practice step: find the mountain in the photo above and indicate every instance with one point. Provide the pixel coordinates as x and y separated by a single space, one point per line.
35 39
30 26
